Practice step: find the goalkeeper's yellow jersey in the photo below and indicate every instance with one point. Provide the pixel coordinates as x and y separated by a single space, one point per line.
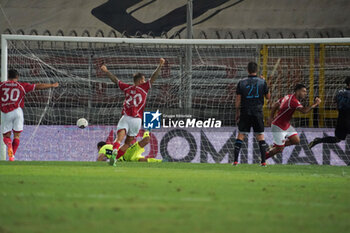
106 150
133 153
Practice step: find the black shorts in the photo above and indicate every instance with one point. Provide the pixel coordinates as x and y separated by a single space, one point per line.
246 122
343 127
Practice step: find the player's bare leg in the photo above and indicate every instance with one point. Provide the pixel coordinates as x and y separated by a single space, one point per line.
8 142
293 140
120 137
274 150
238 145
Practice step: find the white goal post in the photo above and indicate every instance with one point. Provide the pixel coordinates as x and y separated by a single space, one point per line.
279 60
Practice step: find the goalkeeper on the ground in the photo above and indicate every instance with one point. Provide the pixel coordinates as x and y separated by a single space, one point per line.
132 154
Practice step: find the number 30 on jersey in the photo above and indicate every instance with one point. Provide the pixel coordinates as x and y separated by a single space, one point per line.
10 94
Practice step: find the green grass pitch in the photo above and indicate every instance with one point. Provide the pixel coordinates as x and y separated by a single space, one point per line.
172 197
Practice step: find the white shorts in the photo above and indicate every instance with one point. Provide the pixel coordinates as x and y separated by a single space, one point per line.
279 135
132 125
13 120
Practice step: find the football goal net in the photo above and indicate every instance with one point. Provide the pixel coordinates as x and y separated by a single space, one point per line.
195 93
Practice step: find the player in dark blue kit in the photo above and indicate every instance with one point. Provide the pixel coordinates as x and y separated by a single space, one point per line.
342 128
249 110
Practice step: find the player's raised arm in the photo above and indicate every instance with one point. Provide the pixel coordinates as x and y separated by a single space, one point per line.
157 71
309 108
111 76
42 86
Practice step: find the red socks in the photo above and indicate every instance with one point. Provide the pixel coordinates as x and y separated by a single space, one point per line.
15 145
116 145
120 153
7 141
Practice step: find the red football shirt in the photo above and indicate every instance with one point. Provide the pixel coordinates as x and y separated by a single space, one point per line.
12 95
288 105
135 98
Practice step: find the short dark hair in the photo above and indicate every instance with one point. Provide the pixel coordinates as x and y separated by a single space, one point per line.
137 77
299 86
252 67
12 74
101 144
347 80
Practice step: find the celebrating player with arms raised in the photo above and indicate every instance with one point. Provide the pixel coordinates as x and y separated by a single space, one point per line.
283 133
12 95
134 104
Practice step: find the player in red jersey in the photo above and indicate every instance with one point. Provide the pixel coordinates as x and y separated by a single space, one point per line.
133 107
283 133
12 95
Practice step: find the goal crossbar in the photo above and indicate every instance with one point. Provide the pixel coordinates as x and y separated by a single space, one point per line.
178 41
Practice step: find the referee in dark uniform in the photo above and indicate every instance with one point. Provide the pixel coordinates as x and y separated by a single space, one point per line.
342 128
249 110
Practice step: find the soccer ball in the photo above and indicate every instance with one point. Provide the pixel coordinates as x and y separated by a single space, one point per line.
82 123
